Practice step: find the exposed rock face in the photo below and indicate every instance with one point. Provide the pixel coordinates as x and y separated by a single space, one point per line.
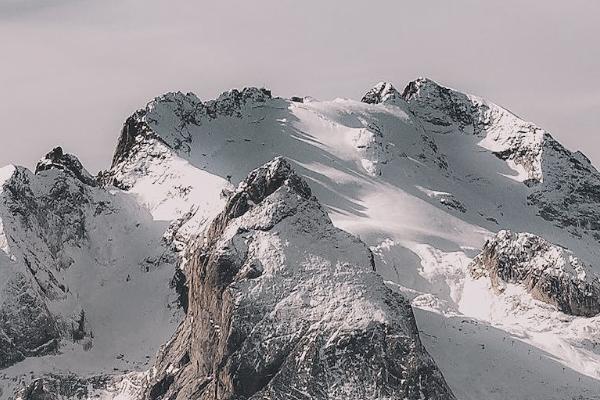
56 250
550 273
134 130
284 304
54 209
378 142
27 327
570 193
445 109
67 162
37 229
230 103
380 93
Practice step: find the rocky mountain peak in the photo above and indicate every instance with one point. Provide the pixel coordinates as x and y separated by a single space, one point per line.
413 88
381 93
229 103
57 159
282 302
565 186
246 94
445 110
262 182
134 131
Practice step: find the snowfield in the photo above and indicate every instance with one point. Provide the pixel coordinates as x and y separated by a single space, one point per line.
424 177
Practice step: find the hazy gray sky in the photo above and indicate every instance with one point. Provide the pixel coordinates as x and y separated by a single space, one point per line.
71 71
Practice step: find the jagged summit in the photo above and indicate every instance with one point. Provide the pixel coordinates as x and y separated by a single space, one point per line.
262 182
413 87
259 184
230 103
444 110
57 159
381 93
62 290
138 129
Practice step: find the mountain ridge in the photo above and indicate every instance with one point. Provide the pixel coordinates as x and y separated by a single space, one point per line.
423 177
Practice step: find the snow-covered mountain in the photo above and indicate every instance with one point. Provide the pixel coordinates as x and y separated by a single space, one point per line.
85 274
480 219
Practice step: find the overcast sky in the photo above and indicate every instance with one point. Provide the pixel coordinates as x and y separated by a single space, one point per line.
71 71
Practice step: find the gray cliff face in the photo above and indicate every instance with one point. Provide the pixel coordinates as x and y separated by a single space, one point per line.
27 327
569 196
284 304
39 230
549 273
445 109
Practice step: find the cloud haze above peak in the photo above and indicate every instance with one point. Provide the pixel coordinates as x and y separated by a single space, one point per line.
73 70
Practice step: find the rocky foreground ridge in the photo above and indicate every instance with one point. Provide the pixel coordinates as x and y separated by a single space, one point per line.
284 304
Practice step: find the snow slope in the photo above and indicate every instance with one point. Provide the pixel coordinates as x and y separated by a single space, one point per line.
424 177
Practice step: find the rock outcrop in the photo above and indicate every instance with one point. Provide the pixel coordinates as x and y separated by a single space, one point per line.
549 273
569 196
55 387
283 304
444 110
57 159
381 93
